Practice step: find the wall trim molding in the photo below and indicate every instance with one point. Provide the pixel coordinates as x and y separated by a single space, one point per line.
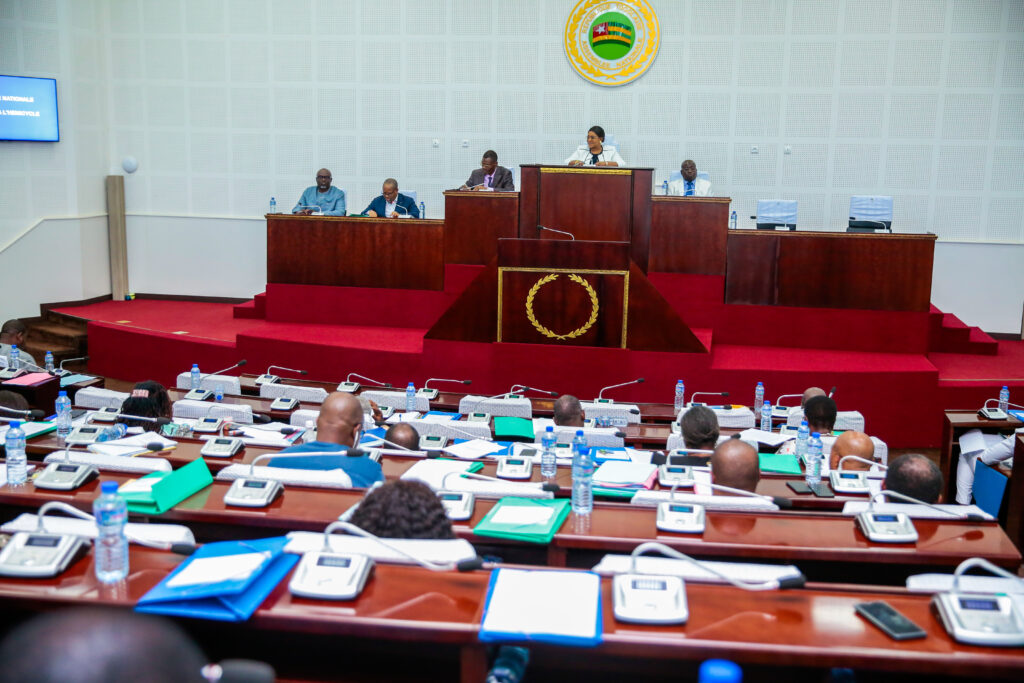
42 220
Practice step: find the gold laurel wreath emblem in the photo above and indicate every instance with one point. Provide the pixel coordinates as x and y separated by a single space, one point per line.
554 335
625 74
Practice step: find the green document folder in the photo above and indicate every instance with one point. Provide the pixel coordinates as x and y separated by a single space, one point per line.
780 463
513 429
610 492
169 489
541 532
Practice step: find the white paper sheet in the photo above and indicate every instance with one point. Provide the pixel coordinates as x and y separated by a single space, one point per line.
217 569
521 603
767 438
432 472
623 472
523 515
472 449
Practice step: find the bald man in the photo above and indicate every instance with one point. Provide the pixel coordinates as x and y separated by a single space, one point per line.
852 443
322 198
403 434
568 411
338 428
735 464
809 393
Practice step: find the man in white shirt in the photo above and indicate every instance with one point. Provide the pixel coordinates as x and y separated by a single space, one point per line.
689 185
994 454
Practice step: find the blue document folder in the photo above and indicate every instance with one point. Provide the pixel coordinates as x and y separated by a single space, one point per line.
228 600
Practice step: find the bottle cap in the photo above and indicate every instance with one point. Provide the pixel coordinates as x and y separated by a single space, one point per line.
816 435
61 393
760 384
14 347
195 366
549 428
803 423
720 671
15 424
579 432
108 487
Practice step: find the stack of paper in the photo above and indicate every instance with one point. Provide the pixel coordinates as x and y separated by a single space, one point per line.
473 449
524 519
520 607
439 416
623 478
433 472
132 445
30 380
30 428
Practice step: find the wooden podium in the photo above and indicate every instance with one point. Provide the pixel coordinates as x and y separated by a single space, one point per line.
593 203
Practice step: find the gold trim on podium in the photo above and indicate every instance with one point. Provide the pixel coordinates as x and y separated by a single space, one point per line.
611 170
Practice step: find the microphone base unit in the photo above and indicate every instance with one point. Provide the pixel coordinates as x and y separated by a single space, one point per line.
40 555
458 505
429 394
222 447
649 599
252 493
515 467
604 401
324 575
675 475
478 417
10 374
267 378
105 415
887 527
83 436
65 476
208 425
511 396
993 414
845 481
780 412
433 442
284 403
387 411
198 394
350 387
681 518
986 619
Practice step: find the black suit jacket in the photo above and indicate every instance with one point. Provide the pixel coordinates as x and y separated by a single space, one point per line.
502 179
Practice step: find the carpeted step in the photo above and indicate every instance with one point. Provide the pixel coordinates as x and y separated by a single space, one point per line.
982 344
955 336
256 309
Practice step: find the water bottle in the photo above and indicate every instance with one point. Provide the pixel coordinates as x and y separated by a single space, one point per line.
664 187
582 475
112 433
48 362
273 205
218 392
111 549
766 416
680 401
12 358
410 398
1004 399
17 463
719 671
62 406
423 210
732 221
802 435
197 377
309 436
758 397
509 665
812 470
548 465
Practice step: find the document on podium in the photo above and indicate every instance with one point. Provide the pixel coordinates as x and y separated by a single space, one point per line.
520 606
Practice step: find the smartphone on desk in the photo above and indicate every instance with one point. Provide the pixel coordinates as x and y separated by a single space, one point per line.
889 621
799 487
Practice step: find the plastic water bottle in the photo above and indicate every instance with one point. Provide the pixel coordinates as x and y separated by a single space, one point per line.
113 432
582 475
13 356
48 361
758 397
423 210
719 671
812 470
680 401
17 463
309 436
1004 399
197 377
111 549
509 665
732 221
664 187
218 392
802 435
410 398
273 205
766 416
548 464
62 406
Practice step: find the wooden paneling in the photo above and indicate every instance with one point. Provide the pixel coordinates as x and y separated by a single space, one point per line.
355 252
473 223
688 234
830 270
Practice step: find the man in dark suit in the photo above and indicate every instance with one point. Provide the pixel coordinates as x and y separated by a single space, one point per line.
490 176
391 204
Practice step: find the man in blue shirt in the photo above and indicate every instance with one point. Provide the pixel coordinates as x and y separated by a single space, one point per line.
321 198
391 204
339 427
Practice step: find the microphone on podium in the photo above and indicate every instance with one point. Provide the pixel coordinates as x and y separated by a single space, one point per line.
270 378
638 380
560 232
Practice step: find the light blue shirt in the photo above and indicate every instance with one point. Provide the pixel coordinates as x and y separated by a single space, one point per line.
332 202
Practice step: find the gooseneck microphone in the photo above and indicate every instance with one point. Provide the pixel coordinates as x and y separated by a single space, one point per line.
560 232
638 380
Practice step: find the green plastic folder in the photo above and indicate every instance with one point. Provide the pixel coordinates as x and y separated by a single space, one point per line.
528 531
513 429
610 492
169 489
780 463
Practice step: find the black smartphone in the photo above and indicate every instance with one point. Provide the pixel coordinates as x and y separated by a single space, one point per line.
798 487
822 490
891 622
77 413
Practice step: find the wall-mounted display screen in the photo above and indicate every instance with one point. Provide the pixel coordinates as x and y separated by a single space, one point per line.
28 109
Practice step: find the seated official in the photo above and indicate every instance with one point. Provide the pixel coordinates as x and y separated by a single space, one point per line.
403 434
699 427
809 393
735 464
392 204
689 185
490 176
915 476
594 153
403 509
321 198
852 443
14 401
568 411
13 334
820 413
143 407
339 427
157 393
993 455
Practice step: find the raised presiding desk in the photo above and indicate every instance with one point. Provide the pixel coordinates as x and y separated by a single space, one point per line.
434 618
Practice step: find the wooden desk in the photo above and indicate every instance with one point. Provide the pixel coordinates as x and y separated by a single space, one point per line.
355 252
475 221
689 234
40 396
784 630
878 272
